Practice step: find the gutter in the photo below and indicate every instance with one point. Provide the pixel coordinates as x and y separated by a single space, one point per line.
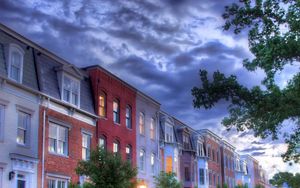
44 134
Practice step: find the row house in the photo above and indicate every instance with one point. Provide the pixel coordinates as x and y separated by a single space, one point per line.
242 176
147 139
253 169
168 145
187 157
227 158
19 112
213 145
115 104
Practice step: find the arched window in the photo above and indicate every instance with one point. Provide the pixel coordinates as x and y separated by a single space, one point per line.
16 55
102 104
129 153
103 142
152 129
128 117
116 146
142 160
142 123
116 111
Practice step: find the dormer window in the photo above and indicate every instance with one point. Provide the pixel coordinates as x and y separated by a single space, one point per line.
168 133
70 90
200 149
15 70
186 141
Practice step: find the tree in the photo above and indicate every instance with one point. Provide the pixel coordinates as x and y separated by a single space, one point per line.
167 180
106 169
285 177
273 28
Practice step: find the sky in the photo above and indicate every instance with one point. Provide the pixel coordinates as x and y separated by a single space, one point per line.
158 46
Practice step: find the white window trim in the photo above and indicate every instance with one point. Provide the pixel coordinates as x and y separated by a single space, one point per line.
153 171
30 112
17 48
56 177
154 128
62 89
67 140
3 103
144 160
172 133
86 133
144 126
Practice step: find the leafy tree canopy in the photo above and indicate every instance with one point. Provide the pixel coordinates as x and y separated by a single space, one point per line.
106 169
273 28
167 180
285 177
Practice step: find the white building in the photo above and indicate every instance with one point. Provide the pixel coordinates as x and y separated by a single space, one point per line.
19 113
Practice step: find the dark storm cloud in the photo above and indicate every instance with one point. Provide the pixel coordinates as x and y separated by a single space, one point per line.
253 149
255 154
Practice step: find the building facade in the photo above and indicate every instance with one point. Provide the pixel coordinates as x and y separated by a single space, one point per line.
227 156
147 139
115 103
242 176
188 163
213 145
169 147
19 112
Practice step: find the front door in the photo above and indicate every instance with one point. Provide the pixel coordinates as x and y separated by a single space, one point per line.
21 181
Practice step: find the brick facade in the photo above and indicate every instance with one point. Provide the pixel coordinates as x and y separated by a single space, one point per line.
63 165
114 88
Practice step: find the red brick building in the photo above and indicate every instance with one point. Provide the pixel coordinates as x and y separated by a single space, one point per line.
213 151
227 155
115 103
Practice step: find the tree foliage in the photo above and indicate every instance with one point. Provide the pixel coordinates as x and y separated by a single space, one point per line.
106 169
273 28
285 177
167 180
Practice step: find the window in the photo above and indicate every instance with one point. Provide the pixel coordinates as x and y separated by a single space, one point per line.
186 141
142 123
128 117
129 153
210 179
21 181
218 158
142 160
1 122
169 133
57 183
187 174
86 146
58 139
116 146
200 149
152 129
208 152
102 104
70 91
16 55
116 111
214 179
23 128
201 176
213 154
152 162
102 142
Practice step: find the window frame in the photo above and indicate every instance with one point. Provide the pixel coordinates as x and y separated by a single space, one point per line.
56 140
187 174
26 139
128 117
129 155
201 176
2 121
56 180
16 48
153 129
142 163
142 123
73 80
104 107
117 142
152 159
116 114
86 148
168 134
104 138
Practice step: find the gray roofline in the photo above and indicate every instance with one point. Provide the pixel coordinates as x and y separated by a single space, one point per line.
228 144
210 132
147 97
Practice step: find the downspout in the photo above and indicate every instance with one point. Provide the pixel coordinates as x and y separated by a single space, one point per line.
43 148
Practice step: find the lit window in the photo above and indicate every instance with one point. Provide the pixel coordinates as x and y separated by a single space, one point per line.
129 153
70 91
58 139
152 129
152 162
142 160
116 111
116 146
16 55
86 146
102 104
23 127
102 142
57 183
169 133
128 117
142 123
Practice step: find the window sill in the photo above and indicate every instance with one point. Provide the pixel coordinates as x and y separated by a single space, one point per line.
130 129
23 145
118 124
57 154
